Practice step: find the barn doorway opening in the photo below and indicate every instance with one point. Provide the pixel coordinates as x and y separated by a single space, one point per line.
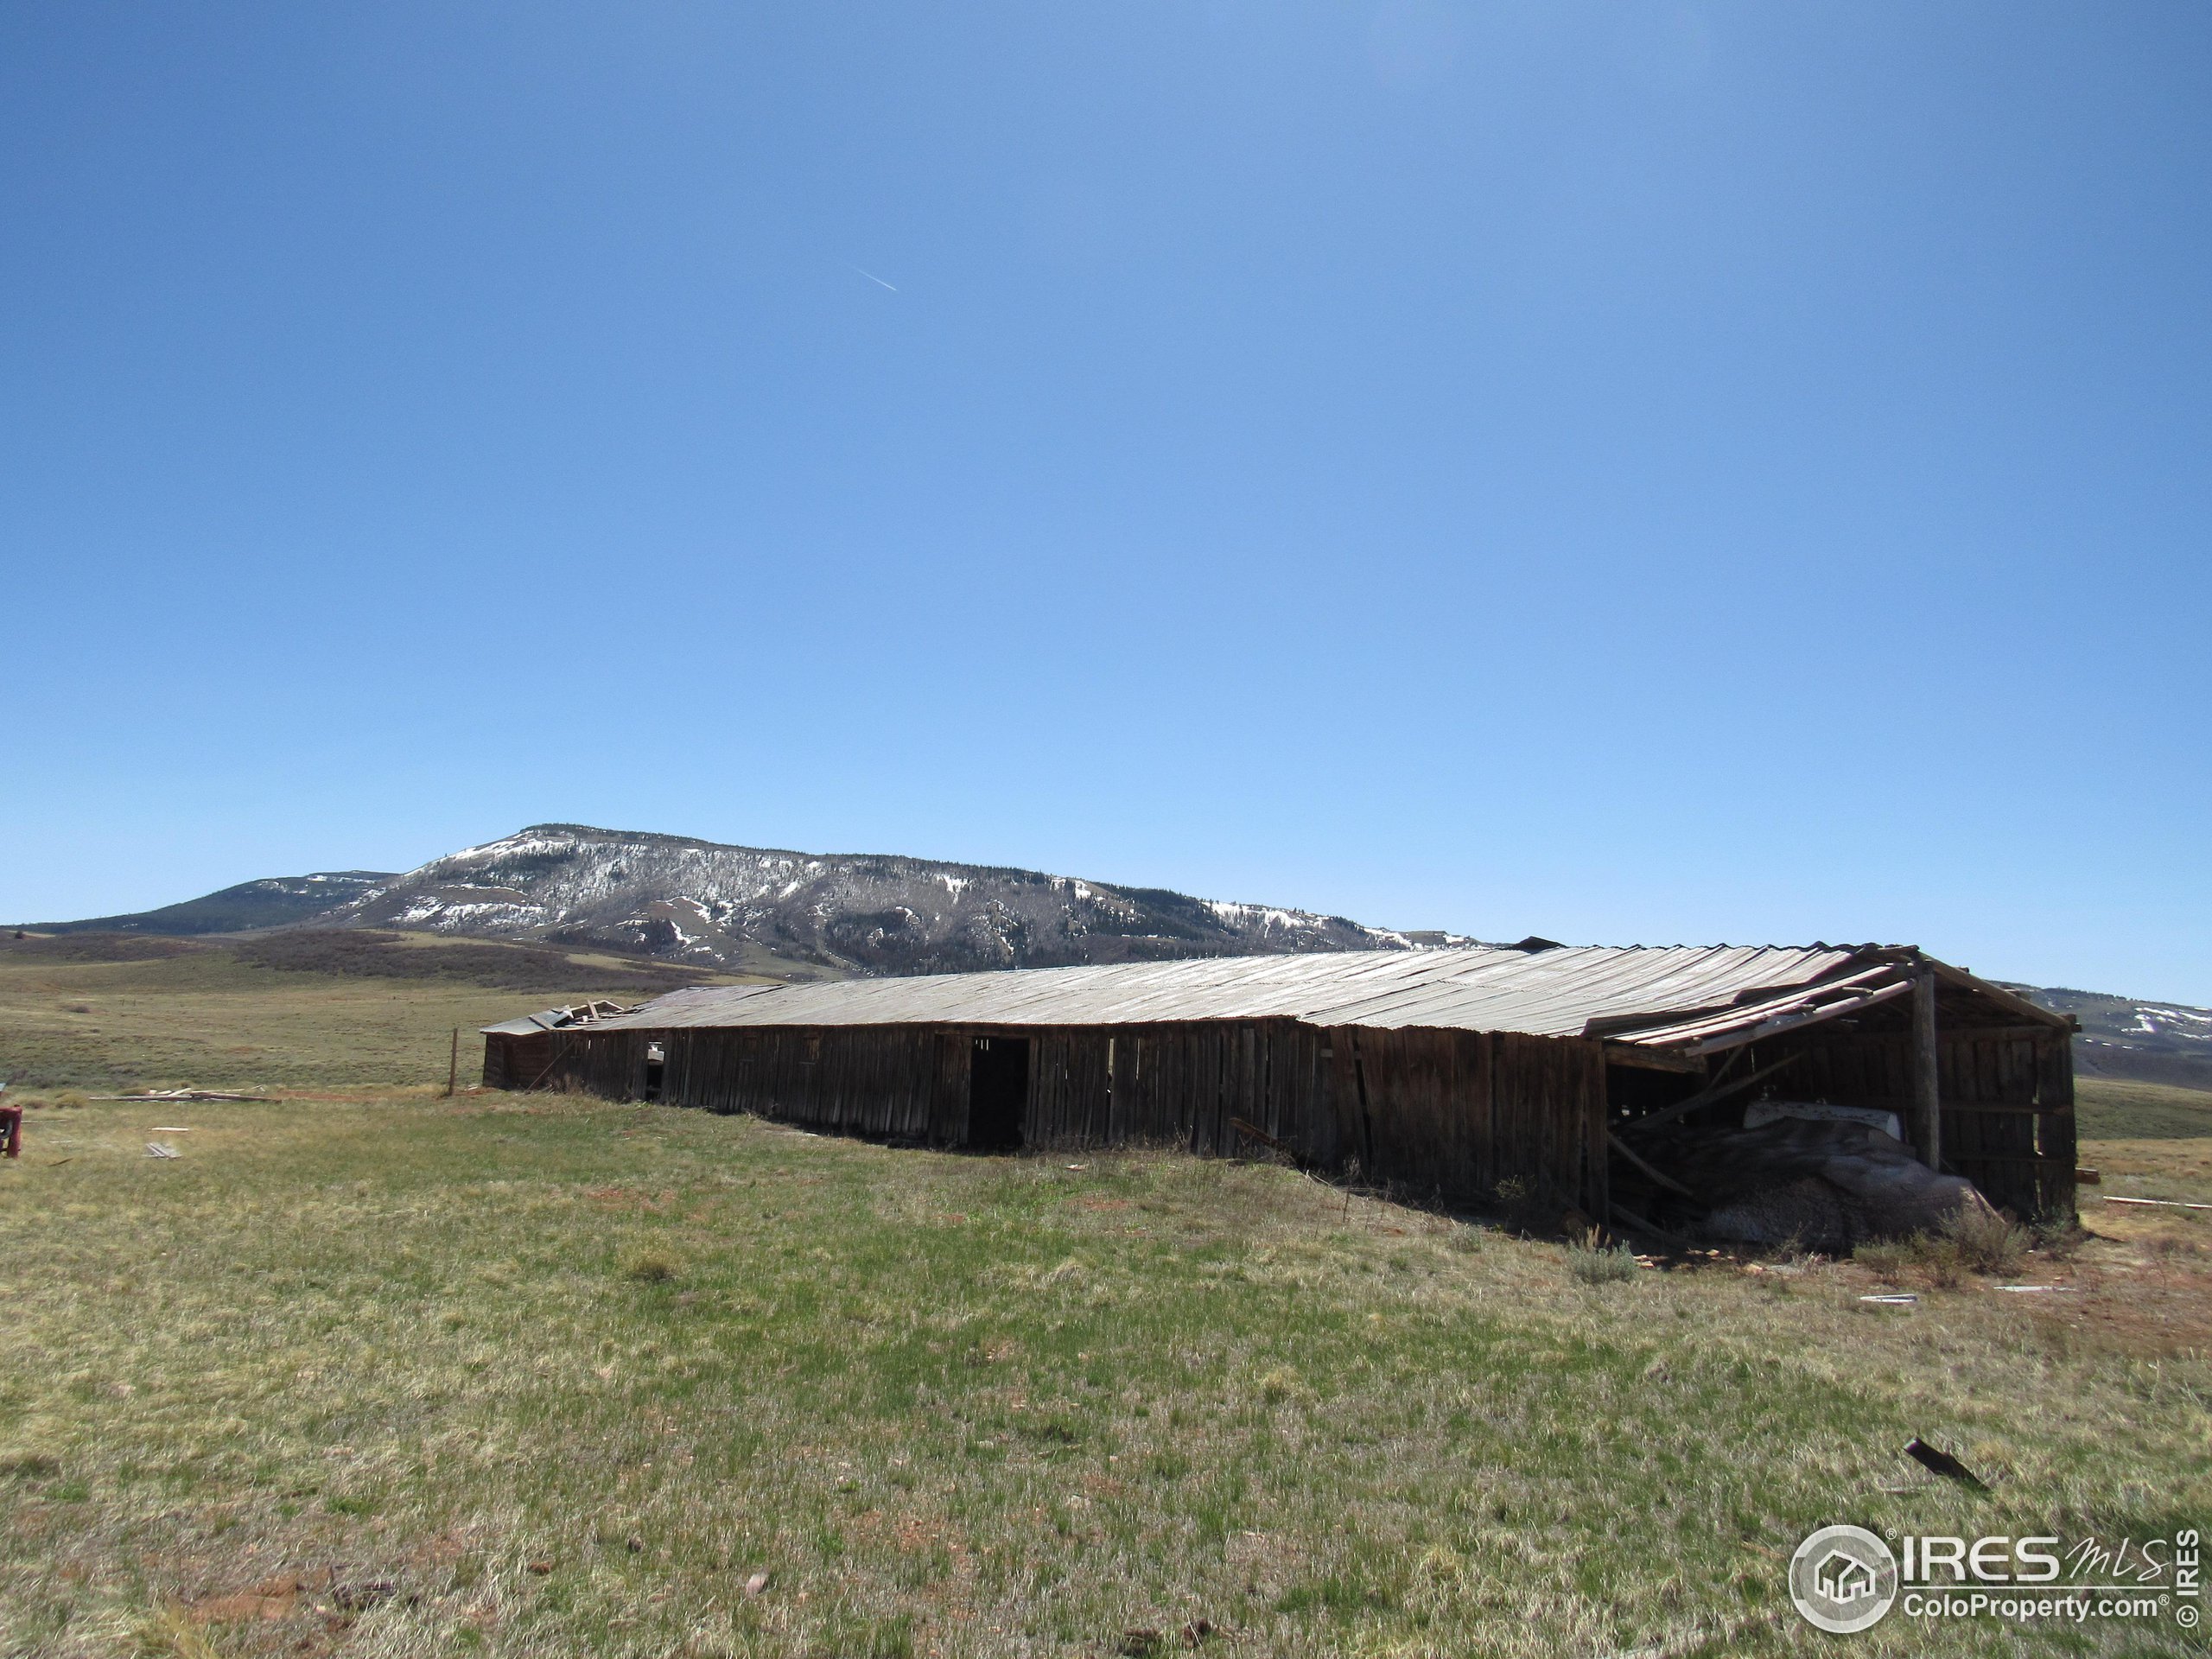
656 1064
998 1092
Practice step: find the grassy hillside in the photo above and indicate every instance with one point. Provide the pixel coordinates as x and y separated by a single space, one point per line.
306 1010
2110 1109
392 1377
276 901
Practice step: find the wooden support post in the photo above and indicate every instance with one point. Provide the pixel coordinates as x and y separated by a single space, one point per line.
1927 1088
452 1064
2056 1174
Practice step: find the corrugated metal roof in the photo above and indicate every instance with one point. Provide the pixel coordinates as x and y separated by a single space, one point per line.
1485 988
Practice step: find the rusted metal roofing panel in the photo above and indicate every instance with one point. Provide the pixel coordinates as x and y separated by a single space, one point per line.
1483 987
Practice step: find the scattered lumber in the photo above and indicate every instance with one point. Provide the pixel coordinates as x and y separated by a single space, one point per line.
1942 1463
173 1096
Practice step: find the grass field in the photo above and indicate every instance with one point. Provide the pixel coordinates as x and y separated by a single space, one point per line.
210 1017
375 1373
2141 1111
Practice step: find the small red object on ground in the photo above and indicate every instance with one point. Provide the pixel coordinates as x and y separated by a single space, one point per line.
12 1131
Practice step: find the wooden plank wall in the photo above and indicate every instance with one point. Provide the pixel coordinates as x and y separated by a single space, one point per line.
611 1064
948 1090
1182 1086
1988 1089
1454 1113
1444 1114
2007 1096
517 1060
892 1081
873 1080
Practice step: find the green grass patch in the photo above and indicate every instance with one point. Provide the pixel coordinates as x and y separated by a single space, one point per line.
891 1402
2109 1110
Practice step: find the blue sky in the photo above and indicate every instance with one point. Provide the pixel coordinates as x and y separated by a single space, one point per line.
1623 472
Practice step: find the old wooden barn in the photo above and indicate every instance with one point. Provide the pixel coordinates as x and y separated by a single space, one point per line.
1449 1071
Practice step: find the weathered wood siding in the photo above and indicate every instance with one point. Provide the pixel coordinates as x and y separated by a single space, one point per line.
516 1060
1456 1113
2007 1096
606 1063
1182 1086
873 1080
1443 1114
893 1082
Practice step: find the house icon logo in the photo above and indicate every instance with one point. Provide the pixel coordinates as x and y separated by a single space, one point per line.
1843 1578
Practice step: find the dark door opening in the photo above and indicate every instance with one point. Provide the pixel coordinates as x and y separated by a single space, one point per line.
998 1092
656 1060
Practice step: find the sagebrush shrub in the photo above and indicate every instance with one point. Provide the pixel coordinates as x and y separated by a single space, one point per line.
1987 1241
1594 1264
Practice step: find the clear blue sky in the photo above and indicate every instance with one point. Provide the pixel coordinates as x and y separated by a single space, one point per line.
1628 472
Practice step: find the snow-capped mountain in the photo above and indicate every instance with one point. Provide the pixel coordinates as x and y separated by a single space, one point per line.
695 900
2123 1037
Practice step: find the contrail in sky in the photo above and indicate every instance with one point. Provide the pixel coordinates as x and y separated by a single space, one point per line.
873 277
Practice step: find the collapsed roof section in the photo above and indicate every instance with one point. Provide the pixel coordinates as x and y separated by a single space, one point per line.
581 1014
1873 976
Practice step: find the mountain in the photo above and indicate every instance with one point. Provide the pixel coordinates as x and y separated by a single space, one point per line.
698 902
703 905
2123 1037
274 902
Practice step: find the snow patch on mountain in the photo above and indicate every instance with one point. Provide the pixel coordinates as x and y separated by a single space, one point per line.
2125 1037
671 896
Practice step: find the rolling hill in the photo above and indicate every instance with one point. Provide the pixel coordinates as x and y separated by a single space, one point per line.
274 901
